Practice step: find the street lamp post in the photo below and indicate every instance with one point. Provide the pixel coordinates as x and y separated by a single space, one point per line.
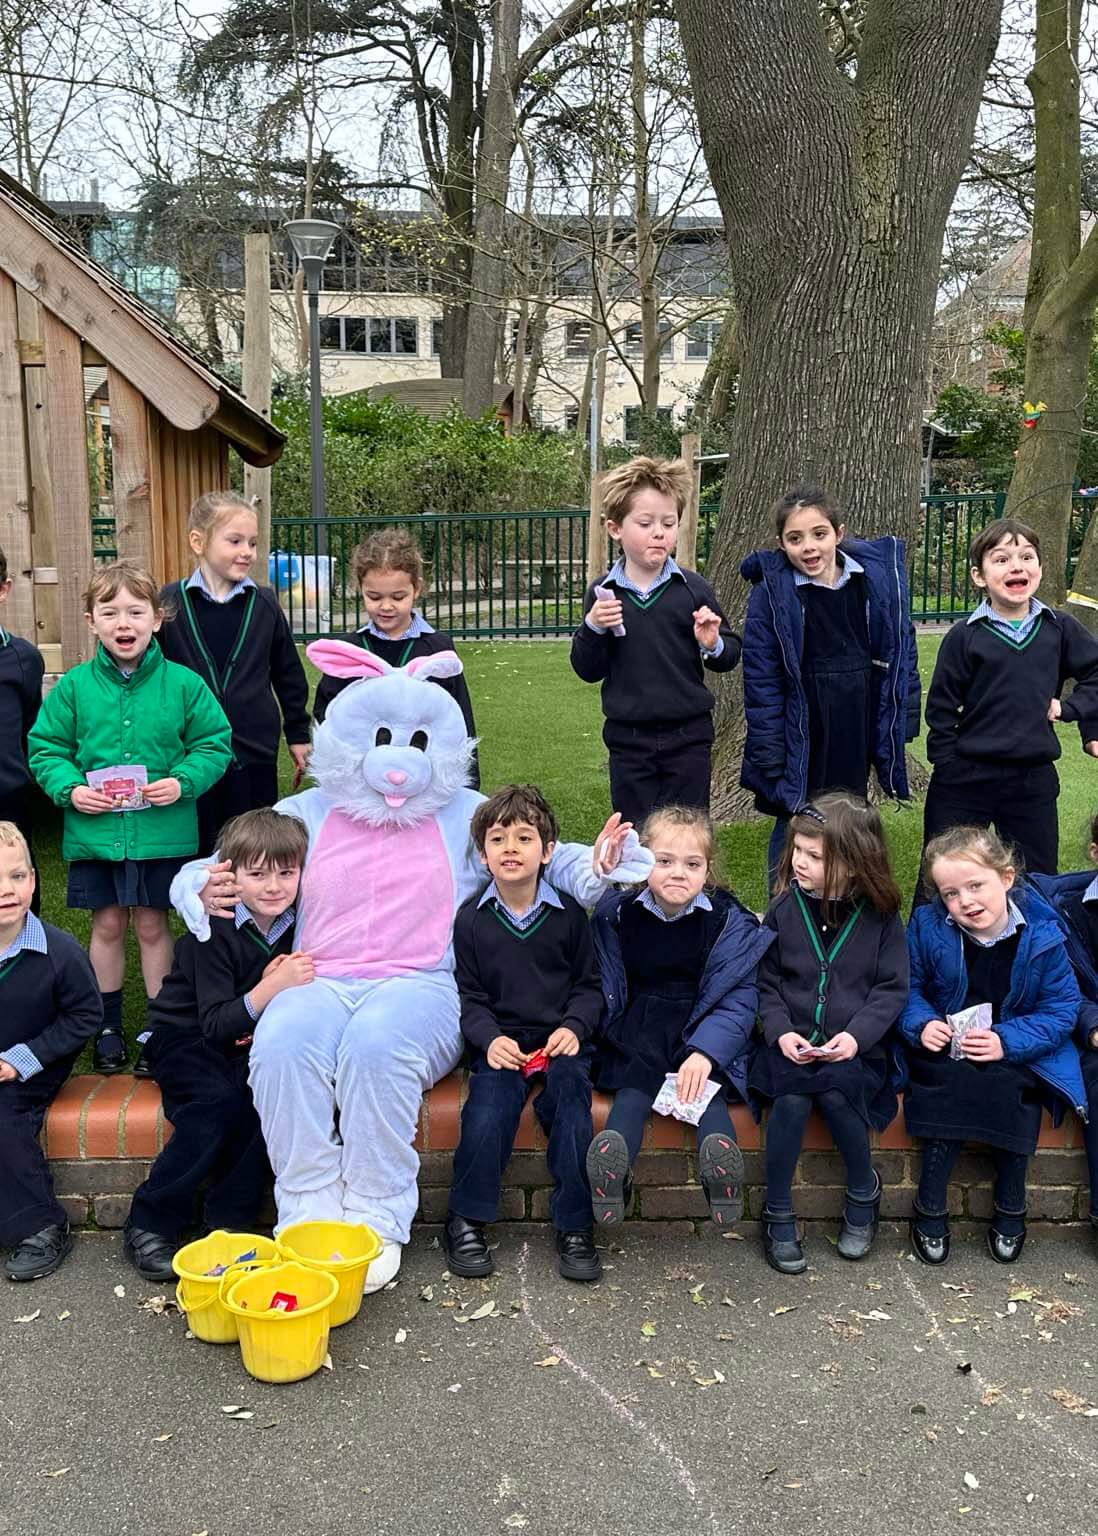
312 240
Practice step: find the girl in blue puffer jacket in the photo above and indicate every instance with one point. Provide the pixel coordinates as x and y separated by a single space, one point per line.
830 671
678 958
985 939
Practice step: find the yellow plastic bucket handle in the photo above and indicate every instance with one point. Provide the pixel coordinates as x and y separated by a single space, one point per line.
192 1307
231 1272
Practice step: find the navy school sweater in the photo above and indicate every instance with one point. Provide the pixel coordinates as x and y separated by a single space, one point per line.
205 989
398 653
245 651
526 984
49 1004
21 671
653 674
989 696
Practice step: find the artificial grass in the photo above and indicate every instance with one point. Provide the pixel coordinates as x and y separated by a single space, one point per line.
539 724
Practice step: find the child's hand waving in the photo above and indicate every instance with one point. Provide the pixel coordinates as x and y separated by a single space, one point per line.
707 628
504 1054
692 1077
606 854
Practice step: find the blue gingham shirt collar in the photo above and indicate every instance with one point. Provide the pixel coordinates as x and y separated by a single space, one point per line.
417 625
698 903
282 922
545 896
197 581
1091 892
31 936
849 567
1015 921
617 575
1017 628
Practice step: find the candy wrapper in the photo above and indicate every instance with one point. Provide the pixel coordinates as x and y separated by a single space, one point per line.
667 1101
123 783
976 1017
538 1062
607 595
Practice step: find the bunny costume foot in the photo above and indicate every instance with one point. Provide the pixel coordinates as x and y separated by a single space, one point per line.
339 1067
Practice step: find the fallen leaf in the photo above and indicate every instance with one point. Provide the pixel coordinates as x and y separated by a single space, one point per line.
1021 1293
1072 1277
427 1293
1030 1497
60 1472
876 1316
656 1375
970 1481
157 1305
245 1413
704 1381
30 1316
792 1485
649 1330
61 1316
516 1521
327 1363
549 1360
991 1396
696 1295
159 1439
964 1509
780 1311
489 1309
873 1285
120 1290
400 1335
1071 1400
455 1388
230 1408
841 1328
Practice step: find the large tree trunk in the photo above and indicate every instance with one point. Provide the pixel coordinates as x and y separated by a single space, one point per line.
457 190
834 194
1060 297
642 215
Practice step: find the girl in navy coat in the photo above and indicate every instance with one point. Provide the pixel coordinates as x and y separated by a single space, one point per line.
678 959
830 671
984 939
830 990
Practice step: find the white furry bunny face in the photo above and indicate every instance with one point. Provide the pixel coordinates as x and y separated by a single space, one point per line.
392 748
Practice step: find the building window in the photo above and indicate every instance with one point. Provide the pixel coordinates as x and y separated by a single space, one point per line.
572 419
436 338
701 338
633 342
397 337
331 334
632 421
529 342
577 337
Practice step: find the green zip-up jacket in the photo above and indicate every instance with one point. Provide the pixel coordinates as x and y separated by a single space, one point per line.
163 717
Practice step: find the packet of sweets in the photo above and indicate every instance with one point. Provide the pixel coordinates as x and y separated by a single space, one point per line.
605 595
964 1022
538 1062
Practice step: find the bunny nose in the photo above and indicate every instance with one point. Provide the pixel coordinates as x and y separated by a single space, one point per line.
395 776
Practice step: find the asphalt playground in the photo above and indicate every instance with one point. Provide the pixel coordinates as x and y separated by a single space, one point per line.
693 1390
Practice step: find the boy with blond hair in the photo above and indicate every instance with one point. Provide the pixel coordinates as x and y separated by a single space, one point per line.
650 630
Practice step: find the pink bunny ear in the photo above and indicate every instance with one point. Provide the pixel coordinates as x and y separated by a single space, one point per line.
338 658
441 664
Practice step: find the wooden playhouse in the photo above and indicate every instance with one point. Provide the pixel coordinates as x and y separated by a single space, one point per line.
70 333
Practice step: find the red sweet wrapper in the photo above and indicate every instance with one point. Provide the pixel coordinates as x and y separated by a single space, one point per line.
538 1062
282 1301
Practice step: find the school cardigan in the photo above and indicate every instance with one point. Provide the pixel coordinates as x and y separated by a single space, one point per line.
49 1004
722 1020
21 671
853 979
208 982
525 983
1037 1016
653 675
163 717
398 653
989 696
244 650
776 751
1064 893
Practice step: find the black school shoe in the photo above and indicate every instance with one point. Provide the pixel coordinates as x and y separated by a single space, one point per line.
109 1053
930 1250
39 1255
784 1254
149 1253
720 1169
608 1177
855 1241
579 1258
467 1252
1004 1250
141 1066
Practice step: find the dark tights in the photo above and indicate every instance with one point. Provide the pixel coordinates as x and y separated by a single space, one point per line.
784 1137
631 1108
1009 1192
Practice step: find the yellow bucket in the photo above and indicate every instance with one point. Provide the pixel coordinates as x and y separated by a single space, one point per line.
315 1244
277 1345
200 1295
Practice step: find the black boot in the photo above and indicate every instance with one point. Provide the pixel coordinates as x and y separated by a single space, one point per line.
109 1052
467 1252
608 1177
930 1249
784 1254
855 1240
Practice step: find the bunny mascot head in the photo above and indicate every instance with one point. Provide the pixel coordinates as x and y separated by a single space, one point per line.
390 860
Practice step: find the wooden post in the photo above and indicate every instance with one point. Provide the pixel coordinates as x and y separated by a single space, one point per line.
256 375
686 549
596 533
47 609
68 461
15 528
130 462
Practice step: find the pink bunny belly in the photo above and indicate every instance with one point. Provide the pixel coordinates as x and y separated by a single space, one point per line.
378 901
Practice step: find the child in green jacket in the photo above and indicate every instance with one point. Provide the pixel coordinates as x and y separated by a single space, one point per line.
126 742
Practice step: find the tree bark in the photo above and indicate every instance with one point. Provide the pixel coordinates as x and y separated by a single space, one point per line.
1060 296
457 192
834 193
642 214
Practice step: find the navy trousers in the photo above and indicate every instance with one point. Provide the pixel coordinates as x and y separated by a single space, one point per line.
489 1121
1020 802
658 765
217 1137
27 1200
240 788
